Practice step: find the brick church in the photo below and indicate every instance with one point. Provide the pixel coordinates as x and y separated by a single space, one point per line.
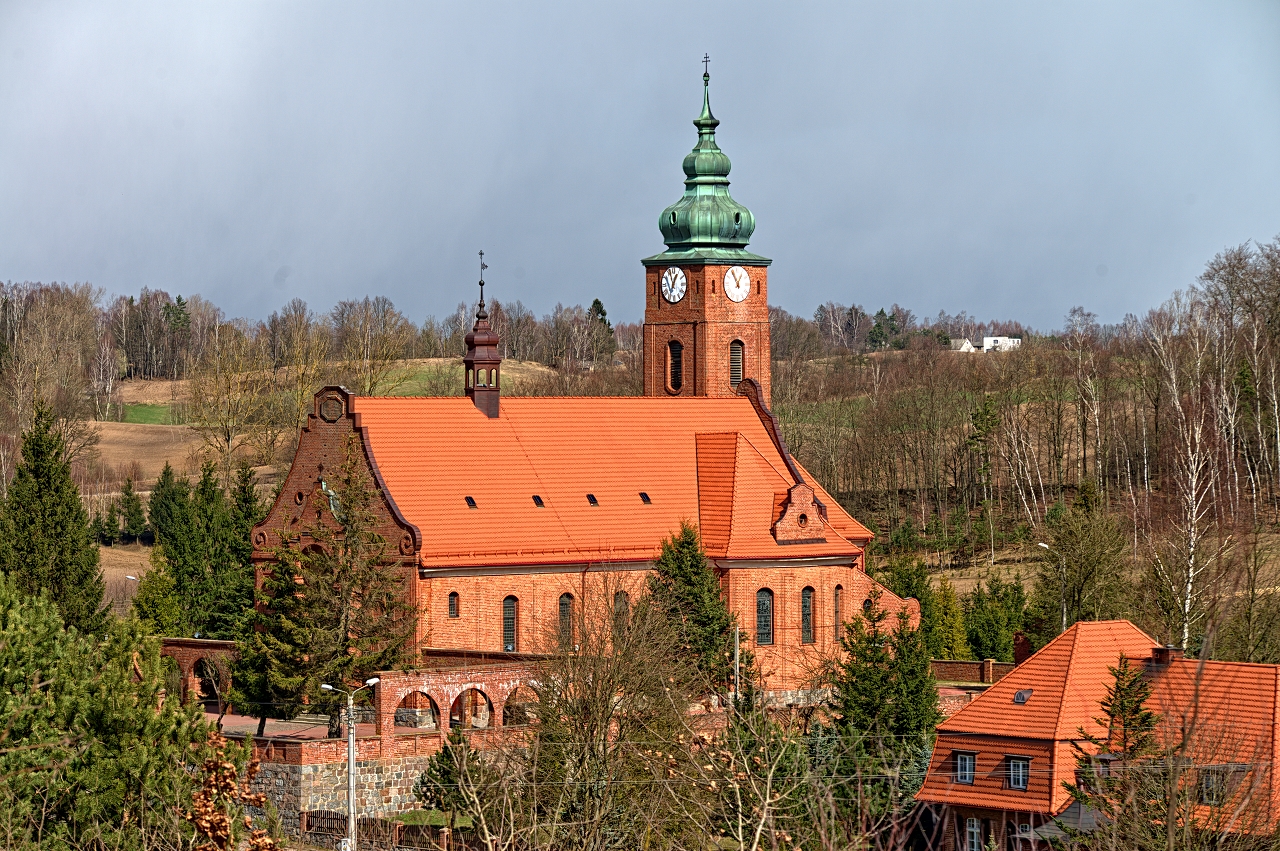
511 513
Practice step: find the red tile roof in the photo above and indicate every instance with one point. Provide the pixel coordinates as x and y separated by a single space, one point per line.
711 461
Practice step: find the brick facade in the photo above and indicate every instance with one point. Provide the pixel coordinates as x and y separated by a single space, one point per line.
706 322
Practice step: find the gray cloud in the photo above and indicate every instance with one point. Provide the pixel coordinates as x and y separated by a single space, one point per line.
1007 159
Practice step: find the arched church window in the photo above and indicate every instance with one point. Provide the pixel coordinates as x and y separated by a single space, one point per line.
453 604
806 616
735 363
509 607
566 621
675 365
764 616
837 598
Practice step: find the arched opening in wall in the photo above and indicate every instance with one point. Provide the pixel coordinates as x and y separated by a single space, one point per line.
471 710
211 684
675 366
417 713
510 611
521 708
764 616
471 379
564 631
806 616
454 604
735 363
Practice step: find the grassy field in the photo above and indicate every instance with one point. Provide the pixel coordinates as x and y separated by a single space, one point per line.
148 414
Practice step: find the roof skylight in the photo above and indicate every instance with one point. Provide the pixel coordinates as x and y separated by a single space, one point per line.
591 498
471 502
537 500
644 497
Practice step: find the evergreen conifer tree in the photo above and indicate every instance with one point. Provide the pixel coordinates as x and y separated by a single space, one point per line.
110 532
46 543
686 589
350 619
131 511
949 638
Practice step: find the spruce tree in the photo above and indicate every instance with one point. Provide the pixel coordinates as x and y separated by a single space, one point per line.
335 612
686 589
46 542
131 511
948 640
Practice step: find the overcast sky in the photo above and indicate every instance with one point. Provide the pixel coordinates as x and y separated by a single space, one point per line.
1008 159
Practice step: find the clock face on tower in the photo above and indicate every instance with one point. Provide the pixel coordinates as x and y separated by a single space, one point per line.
737 283
673 284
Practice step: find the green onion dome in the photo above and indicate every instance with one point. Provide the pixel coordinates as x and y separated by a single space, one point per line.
706 223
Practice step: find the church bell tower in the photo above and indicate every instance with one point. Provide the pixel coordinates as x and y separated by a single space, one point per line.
706 319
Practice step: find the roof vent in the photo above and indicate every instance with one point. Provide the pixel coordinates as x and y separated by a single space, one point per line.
471 502
591 498
1021 697
537 500
644 497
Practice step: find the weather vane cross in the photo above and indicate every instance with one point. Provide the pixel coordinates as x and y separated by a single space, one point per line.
706 63
483 266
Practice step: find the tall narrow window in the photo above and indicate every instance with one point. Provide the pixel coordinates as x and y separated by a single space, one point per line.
509 606
675 365
566 621
735 363
621 608
453 604
806 616
764 616
972 834
837 598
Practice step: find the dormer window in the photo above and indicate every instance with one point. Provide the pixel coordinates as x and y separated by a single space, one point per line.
965 764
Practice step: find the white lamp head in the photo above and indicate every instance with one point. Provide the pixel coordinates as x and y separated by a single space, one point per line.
372 681
326 687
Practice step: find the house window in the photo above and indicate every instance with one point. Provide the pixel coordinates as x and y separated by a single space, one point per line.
1218 782
837 597
509 610
964 767
453 604
764 616
1019 771
675 365
806 616
972 834
735 363
566 621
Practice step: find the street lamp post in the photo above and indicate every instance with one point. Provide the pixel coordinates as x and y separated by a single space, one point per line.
350 844
1062 579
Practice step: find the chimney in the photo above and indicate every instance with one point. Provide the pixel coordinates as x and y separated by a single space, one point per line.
482 363
1162 656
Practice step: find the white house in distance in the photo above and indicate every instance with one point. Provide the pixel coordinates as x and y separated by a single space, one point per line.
962 345
1000 344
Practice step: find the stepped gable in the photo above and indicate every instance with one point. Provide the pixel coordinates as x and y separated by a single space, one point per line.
685 454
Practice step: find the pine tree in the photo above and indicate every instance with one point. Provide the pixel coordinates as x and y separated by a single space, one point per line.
350 620
110 531
992 614
135 519
93 754
46 543
686 589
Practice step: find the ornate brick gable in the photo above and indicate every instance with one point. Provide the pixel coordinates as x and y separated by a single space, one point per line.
302 503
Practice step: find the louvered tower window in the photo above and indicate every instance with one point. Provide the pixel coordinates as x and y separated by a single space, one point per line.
509 606
806 616
764 616
566 621
735 363
675 365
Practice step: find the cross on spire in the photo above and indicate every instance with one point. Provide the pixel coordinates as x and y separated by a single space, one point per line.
483 266
706 62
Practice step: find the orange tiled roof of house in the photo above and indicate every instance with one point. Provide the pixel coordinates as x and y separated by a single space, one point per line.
712 461
1042 704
